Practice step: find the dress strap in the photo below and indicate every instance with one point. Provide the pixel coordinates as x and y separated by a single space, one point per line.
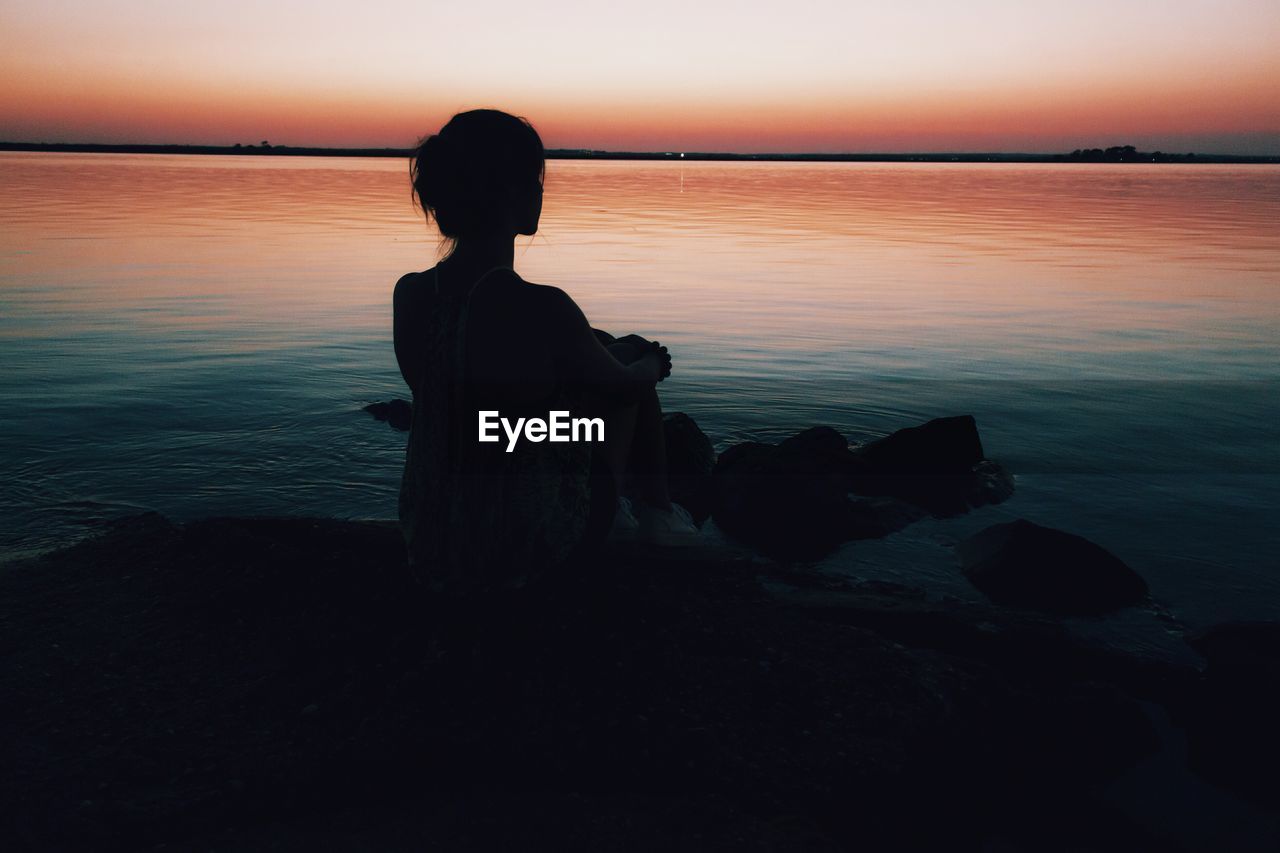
435 277
476 284
463 315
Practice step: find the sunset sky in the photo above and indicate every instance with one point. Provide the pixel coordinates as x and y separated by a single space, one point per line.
805 75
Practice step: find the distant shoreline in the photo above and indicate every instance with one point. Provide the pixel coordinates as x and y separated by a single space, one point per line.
1086 156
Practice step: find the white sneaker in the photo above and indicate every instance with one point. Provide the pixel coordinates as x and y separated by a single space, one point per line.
674 527
625 524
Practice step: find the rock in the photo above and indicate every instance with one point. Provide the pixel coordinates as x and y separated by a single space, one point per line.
1232 738
1026 565
396 412
690 460
990 484
791 500
1238 646
787 500
931 465
942 445
876 518
821 440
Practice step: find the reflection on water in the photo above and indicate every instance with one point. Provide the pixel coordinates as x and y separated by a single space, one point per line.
196 334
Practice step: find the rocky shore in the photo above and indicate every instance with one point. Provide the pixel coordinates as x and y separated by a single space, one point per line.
255 683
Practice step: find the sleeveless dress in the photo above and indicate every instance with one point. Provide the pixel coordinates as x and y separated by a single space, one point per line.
474 516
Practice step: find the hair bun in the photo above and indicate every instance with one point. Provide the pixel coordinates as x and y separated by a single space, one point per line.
434 170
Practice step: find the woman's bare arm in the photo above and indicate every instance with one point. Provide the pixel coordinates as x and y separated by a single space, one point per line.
583 359
406 304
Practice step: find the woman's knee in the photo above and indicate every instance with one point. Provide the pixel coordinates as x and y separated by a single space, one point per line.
624 352
609 407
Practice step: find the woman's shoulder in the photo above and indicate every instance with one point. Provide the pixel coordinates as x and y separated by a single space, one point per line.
412 292
412 282
547 294
551 299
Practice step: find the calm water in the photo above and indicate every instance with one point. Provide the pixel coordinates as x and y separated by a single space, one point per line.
196 335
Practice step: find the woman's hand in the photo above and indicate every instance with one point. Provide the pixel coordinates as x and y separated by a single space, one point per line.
646 347
640 343
664 359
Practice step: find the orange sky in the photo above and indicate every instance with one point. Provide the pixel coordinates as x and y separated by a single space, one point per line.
808 75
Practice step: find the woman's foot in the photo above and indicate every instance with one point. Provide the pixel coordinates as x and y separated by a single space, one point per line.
665 527
625 525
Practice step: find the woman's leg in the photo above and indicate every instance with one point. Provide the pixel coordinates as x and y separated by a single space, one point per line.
634 445
648 462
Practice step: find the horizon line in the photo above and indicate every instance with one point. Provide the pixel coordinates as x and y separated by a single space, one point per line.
1116 153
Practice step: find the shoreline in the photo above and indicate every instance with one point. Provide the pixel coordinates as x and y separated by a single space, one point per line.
271 683
670 156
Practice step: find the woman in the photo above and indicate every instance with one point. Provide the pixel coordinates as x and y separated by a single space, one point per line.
471 336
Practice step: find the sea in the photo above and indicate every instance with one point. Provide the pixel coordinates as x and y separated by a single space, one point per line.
197 335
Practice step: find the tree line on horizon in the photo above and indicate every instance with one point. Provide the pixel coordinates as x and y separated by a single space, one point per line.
1126 154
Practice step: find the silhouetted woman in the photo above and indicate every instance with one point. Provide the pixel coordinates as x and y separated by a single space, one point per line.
472 336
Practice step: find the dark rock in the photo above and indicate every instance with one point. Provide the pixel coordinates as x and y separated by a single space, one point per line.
930 465
1232 736
821 440
398 413
1026 565
942 445
690 460
876 518
1238 646
990 484
789 500
792 500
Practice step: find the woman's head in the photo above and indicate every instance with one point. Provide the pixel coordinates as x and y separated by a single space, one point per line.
481 175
